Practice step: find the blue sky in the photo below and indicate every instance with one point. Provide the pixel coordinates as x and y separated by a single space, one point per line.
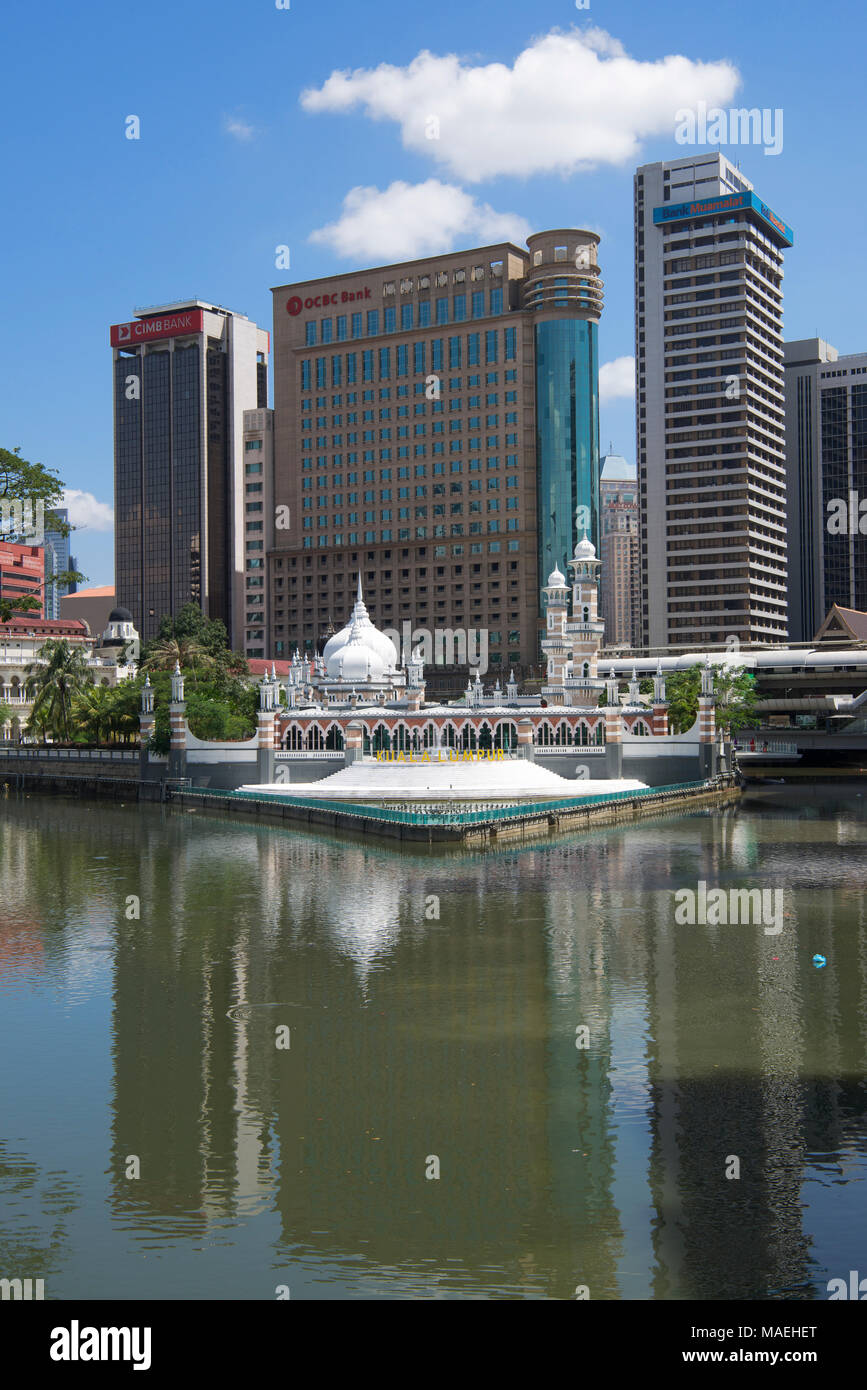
230 164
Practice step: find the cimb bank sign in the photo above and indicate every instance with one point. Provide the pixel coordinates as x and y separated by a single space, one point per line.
445 646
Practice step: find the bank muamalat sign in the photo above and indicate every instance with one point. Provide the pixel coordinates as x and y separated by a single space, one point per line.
445 755
166 326
325 301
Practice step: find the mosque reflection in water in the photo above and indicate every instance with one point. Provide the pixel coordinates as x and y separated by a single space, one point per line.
413 1034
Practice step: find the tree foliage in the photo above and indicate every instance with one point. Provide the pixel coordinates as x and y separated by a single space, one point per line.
53 682
735 698
21 480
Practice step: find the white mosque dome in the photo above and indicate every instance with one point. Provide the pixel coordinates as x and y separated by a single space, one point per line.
585 549
375 640
357 660
556 580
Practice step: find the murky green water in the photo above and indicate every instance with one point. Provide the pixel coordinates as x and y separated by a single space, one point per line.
414 1037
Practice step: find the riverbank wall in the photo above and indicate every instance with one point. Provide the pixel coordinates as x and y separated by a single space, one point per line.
115 776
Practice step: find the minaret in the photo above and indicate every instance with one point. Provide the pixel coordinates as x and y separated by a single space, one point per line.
660 703
585 628
707 721
554 643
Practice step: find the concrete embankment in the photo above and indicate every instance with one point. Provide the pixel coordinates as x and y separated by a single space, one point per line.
473 828
119 781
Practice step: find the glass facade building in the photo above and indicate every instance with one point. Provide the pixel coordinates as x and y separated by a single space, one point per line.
415 455
567 438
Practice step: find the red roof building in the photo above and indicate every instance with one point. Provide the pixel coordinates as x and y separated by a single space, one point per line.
22 573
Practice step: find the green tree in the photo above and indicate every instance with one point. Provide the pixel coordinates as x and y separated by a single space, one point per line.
52 682
22 480
6 713
165 653
124 709
736 698
682 690
199 644
91 712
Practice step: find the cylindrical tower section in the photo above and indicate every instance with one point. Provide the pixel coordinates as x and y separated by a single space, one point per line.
563 292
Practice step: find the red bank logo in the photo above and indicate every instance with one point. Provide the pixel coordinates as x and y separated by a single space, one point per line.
324 301
168 326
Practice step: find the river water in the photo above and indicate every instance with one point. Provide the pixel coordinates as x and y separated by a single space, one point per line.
239 1059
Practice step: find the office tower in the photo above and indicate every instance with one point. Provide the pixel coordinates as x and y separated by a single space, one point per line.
620 573
436 428
709 405
22 575
826 460
57 561
259 523
184 374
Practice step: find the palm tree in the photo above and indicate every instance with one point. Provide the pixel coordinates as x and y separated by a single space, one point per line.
52 682
190 655
92 711
6 712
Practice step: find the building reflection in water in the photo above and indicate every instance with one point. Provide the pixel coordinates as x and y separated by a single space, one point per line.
414 1035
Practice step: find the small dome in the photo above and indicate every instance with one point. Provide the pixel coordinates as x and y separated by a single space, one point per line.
556 580
585 549
120 615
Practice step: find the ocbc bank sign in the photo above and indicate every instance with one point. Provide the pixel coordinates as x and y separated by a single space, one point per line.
325 301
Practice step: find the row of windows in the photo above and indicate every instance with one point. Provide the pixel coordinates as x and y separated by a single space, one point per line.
419 470
438 489
420 389
474 422
386 358
476 547
475 528
348 326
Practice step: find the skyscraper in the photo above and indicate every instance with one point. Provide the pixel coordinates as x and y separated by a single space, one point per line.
184 374
620 588
710 405
436 428
826 458
57 561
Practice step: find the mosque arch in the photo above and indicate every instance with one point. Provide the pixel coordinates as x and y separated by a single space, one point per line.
468 738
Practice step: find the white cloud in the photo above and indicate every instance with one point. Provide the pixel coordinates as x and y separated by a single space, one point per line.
406 221
570 101
617 379
86 511
242 130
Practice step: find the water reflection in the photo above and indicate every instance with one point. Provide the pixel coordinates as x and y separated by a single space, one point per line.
418 1031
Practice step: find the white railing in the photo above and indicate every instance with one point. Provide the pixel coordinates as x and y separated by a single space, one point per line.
69 754
764 745
309 753
578 750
